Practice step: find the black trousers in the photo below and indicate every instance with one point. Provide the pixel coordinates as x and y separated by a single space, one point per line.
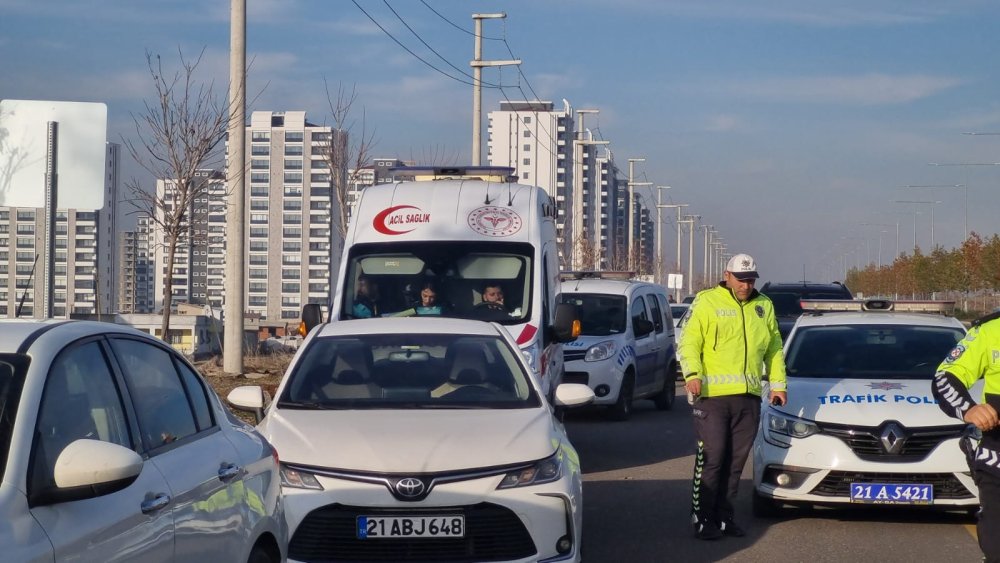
989 516
725 428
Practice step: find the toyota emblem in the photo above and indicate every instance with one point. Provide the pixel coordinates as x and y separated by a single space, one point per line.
410 487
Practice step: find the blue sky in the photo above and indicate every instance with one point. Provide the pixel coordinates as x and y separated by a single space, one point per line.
784 123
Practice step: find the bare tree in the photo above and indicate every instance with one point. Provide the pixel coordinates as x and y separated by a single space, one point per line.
587 254
177 135
346 158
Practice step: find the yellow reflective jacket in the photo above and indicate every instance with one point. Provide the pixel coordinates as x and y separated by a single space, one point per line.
731 345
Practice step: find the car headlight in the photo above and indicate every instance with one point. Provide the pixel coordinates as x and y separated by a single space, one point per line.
778 426
530 354
600 351
298 479
544 471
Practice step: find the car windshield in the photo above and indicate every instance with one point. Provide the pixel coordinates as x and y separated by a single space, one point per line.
481 280
12 372
409 371
787 303
886 351
600 315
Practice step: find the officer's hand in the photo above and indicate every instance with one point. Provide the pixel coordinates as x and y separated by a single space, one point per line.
779 398
693 386
984 416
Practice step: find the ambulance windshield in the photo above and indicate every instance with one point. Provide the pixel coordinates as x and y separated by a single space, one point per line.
489 281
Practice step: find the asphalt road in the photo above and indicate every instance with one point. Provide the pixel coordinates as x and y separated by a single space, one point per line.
637 491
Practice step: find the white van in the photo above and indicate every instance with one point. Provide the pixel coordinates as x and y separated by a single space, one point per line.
460 231
625 350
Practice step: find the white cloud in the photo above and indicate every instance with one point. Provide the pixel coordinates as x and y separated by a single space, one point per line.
722 122
864 89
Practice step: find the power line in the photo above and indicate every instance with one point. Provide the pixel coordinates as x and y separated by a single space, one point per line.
417 35
407 49
456 26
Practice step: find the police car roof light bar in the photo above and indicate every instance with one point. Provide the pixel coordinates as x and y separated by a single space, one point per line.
848 305
595 275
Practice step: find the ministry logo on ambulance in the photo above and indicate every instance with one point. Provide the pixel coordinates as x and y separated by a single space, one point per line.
399 219
495 221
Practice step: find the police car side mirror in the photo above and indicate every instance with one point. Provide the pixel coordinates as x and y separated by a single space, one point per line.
642 327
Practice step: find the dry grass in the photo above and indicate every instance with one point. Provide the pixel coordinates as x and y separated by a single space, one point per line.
265 371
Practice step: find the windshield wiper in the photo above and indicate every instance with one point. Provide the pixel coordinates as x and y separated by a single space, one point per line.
313 405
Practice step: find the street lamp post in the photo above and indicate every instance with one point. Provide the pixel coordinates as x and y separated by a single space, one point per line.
659 235
678 207
690 220
631 209
932 204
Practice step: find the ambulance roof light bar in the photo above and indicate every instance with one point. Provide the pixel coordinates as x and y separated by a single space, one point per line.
845 305
425 173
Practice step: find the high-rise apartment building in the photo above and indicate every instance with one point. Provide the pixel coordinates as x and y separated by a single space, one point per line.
536 139
288 223
84 271
136 263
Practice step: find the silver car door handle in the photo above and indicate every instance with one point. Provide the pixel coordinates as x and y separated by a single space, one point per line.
229 472
160 501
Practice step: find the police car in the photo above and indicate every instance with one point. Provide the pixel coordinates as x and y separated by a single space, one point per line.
861 424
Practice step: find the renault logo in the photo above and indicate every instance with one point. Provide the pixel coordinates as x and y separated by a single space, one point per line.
893 438
410 487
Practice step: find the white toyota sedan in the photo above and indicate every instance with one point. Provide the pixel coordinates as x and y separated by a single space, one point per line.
861 424
422 439
115 449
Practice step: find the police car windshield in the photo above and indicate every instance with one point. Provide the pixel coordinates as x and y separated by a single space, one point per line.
600 315
867 350
12 373
409 371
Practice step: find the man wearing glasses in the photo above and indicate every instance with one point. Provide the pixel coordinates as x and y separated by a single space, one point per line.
730 341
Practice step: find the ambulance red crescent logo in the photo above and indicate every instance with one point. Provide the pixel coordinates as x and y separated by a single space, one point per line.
398 216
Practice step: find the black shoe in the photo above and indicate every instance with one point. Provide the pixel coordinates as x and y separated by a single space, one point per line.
731 529
707 531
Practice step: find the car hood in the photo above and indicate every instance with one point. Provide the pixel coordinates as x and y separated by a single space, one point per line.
865 402
585 341
398 441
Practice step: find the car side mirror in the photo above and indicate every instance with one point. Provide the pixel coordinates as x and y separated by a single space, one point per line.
567 323
312 316
642 327
249 398
89 469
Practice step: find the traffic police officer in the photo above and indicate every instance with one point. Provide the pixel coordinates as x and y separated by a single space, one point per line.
730 336
977 357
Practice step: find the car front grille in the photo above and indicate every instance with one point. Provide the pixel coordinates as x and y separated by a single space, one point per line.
573 355
866 442
838 483
492 533
576 377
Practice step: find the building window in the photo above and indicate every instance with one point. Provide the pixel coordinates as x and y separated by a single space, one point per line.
260 136
293 136
526 161
527 133
527 148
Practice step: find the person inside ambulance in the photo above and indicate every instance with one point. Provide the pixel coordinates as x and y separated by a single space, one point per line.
492 306
366 301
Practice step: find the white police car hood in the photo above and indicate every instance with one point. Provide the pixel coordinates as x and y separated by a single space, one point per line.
865 402
401 441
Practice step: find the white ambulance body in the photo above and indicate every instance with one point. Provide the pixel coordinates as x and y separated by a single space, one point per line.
459 234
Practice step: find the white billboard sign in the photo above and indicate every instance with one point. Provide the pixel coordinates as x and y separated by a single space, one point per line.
675 281
81 153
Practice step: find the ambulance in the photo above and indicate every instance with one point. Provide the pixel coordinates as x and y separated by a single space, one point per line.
459 231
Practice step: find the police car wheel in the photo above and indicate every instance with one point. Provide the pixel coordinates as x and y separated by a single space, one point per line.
622 409
664 400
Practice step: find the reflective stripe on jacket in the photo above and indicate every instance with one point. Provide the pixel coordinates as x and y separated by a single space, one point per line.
731 345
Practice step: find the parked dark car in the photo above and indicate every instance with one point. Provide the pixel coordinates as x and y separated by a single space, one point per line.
786 296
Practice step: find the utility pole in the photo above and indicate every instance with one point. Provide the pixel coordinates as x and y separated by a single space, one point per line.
576 220
477 83
232 354
690 220
704 256
678 207
659 236
630 234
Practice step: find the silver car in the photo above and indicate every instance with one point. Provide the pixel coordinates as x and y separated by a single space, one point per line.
116 449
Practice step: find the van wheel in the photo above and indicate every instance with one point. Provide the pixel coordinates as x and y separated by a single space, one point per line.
664 400
622 409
